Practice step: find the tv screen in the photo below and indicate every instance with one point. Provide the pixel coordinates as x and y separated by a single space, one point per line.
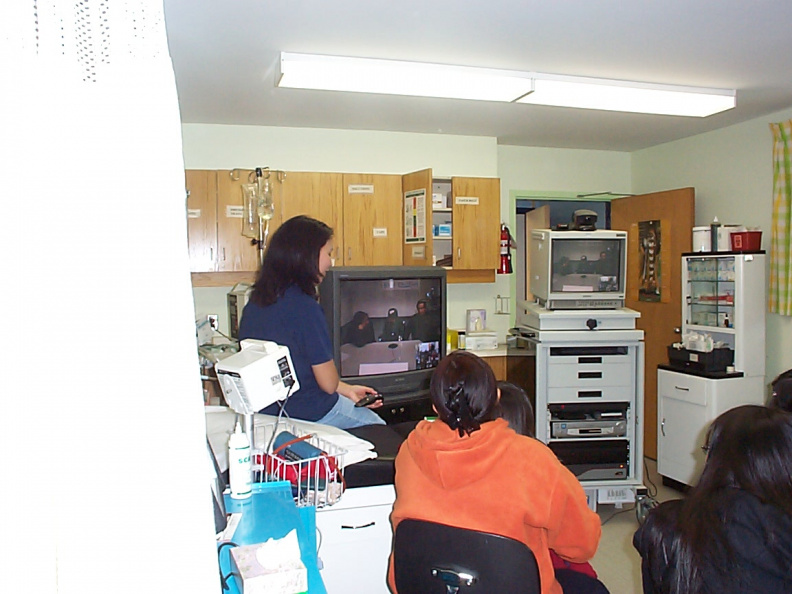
586 266
387 324
578 269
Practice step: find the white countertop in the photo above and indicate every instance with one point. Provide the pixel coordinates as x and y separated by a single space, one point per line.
499 352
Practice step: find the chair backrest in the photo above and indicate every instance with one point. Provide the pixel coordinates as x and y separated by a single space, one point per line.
428 558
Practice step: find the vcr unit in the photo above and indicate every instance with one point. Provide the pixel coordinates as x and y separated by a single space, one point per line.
591 439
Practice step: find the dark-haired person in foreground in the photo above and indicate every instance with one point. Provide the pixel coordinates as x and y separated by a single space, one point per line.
469 469
283 309
733 532
781 396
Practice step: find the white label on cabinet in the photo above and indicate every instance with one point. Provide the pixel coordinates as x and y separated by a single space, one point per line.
419 252
234 211
380 231
360 188
193 213
466 200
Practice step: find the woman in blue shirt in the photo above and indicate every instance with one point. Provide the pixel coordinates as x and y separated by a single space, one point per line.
283 308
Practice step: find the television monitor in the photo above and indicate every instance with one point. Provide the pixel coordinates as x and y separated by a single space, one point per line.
578 269
387 326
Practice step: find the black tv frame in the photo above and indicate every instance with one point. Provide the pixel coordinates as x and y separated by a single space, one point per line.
400 387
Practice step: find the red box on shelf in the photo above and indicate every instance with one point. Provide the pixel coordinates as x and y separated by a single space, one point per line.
746 241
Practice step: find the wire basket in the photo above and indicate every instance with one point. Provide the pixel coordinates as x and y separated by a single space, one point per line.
313 466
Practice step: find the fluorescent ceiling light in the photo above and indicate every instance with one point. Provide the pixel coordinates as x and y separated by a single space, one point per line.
391 77
616 95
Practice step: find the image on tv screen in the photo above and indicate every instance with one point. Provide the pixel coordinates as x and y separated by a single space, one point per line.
586 266
389 325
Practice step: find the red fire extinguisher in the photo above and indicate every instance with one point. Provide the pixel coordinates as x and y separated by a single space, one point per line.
506 243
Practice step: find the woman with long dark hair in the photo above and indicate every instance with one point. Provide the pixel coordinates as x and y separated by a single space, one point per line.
283 308
733 532
469 469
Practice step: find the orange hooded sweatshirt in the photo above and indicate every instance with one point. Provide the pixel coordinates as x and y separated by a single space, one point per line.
497 481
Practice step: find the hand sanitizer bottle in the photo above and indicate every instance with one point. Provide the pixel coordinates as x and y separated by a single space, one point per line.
239 469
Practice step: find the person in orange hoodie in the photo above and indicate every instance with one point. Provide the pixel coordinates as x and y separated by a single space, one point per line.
469 469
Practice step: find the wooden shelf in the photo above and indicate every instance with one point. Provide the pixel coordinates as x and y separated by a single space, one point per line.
221 279
469 276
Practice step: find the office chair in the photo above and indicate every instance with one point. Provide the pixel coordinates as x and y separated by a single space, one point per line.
431 558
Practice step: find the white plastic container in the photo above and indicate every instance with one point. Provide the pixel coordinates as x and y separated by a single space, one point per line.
701 239
239 467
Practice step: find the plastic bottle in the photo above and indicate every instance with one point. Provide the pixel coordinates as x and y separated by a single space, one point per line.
239 469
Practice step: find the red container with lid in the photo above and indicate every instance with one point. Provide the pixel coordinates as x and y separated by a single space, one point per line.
746 241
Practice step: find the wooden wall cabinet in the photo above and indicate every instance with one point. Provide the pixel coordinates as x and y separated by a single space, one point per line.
201 219
318 195
473 209
366 211
372 220
214 224
475 215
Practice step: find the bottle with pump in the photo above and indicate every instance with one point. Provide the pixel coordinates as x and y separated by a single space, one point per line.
714 230
239 469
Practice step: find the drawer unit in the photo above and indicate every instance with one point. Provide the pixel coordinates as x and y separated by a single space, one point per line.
589 393
680 386
589 366
356 528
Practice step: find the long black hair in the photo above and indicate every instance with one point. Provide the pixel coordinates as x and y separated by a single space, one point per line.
292 258
748 448
464 392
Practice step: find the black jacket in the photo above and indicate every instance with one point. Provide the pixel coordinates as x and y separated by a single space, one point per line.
759 535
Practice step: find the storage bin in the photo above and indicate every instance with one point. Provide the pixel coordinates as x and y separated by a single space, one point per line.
746 241
715 360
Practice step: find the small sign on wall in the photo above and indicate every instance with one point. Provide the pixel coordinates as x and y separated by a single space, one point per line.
380 231
193 213
235 211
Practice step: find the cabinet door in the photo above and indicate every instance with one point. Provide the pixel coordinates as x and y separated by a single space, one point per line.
419 253
683 420
476 223
498 366
318 195
372 220
201 188
236 252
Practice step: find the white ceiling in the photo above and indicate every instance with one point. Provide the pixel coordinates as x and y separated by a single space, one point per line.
225 56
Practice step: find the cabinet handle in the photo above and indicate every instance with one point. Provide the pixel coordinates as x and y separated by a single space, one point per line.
224 259
343 527
681 389
349 254
459 253
589 375
211 254
662 427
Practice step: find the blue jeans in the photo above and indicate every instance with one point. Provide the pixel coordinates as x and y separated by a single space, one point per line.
344 415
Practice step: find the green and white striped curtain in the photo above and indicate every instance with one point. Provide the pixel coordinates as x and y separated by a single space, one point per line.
780 293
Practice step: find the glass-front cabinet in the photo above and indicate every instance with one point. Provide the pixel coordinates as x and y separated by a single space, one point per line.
724 297
710 294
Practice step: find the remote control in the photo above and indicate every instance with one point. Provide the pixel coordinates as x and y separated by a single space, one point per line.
368 399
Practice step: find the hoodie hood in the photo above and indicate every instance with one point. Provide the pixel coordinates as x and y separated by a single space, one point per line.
452 461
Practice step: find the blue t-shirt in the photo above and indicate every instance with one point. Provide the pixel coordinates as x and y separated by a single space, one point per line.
296 321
